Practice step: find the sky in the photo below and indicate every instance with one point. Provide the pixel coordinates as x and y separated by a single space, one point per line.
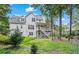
24 9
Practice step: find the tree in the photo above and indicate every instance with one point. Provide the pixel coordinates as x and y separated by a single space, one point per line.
70 22
70 13
60 22
74 20
16 38
4 24
58 10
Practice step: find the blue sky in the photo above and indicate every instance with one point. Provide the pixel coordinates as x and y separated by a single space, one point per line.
24 9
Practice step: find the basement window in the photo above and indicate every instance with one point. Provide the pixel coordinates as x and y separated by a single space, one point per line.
21 26
30 33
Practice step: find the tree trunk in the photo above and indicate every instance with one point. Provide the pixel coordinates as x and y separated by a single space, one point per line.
51 26
60 23
70 34
39 32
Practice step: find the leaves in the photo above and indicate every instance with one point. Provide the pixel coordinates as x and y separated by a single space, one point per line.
4 23
16 38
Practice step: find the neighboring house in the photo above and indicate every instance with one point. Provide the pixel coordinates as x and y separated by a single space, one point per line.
30 25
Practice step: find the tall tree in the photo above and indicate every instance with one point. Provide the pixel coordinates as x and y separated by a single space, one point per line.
58 9
70 12
4 24
74 19
70 22
60 22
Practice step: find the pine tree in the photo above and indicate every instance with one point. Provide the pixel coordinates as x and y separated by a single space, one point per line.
16 38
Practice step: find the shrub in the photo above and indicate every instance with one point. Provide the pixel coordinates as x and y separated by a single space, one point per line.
4 38
27 39
34 49
16 38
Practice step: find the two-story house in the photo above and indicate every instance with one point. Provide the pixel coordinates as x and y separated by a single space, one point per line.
30 25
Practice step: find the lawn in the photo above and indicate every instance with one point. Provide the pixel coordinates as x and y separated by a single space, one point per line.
45 46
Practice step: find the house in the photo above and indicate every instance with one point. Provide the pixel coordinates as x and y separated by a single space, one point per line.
30 25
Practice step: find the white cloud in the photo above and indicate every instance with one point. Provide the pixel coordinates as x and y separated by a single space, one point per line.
35 14
29 9
63 19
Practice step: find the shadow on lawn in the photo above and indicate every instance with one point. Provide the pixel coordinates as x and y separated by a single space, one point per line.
8 50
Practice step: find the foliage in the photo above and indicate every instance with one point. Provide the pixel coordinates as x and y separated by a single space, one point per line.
26 40
16 38
7 49
4 23
44 46
4 30
47 46
74 33
4 38
34 49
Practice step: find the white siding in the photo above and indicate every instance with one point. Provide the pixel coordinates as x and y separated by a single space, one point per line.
24 29
29 22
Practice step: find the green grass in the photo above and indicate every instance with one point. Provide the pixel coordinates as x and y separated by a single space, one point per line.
44 46
47 46
6 49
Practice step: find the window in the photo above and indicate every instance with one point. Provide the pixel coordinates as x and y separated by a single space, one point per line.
40 19
22 19
30 33
30 26
21 26
33 19
48 31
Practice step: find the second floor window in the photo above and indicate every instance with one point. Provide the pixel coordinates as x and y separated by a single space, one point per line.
33 19
30 26
22 19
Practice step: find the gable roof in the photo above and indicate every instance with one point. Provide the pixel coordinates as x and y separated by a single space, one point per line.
30 13
17 19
